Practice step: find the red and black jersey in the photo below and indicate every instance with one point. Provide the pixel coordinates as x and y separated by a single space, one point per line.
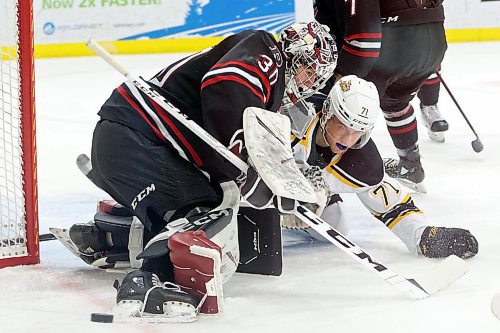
212 88
357 26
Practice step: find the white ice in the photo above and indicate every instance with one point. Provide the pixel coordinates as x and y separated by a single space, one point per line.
321 289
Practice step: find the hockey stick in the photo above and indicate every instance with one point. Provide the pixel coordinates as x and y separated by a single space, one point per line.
41 238
448 271
477 145
46 237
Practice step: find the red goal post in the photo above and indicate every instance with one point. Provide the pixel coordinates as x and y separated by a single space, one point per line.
19 240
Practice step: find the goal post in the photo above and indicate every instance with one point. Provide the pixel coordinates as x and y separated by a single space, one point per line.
19 244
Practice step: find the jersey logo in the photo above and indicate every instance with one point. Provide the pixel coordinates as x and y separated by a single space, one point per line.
389 19
144 193
345 85
277 55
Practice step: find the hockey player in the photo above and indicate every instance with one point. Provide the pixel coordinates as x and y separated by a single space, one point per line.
396 45
179 188
429 95
336 154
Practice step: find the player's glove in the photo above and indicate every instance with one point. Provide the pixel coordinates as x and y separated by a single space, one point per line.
314 175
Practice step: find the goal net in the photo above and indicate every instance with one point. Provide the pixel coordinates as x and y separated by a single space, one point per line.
18 203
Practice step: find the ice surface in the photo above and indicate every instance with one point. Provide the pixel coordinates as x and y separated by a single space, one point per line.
321 289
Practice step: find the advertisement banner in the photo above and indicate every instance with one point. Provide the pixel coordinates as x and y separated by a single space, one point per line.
73 21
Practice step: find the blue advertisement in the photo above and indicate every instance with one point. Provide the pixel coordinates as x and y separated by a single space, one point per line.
215 18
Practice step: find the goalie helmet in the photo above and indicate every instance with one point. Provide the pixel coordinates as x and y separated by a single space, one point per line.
307 47
355 102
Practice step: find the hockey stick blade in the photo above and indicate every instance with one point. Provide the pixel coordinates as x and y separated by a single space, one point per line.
85 166
495 305
438 278
445 273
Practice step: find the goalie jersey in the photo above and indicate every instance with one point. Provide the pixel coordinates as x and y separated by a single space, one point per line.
212 88
361 171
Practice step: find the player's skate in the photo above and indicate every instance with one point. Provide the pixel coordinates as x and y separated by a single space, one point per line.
441 242
143 297
408 169
435 123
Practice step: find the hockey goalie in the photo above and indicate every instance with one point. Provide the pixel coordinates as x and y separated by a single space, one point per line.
175 225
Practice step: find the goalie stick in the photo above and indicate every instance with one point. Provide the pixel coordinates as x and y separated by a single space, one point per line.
445 273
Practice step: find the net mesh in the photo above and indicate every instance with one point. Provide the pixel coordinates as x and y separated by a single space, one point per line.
12 214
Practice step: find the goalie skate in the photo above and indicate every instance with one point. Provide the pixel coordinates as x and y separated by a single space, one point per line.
143 298
62 235
97 259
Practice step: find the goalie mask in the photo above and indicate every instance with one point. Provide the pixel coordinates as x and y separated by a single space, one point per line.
355 103
311 57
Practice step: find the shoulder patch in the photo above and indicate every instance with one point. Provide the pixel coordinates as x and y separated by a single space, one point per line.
277 55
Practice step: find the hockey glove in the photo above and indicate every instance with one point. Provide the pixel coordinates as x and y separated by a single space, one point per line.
314 175
441 242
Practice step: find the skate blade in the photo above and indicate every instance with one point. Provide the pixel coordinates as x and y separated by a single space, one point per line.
174 312
62 235
445 273
420 187
436 136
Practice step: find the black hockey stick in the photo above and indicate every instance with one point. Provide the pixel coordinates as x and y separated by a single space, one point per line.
46 237
477 145
447 271
41 238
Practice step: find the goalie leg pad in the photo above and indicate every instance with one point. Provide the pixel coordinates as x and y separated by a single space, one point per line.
197 265
220 226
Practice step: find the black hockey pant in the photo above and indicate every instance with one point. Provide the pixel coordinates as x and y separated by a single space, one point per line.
151 179
409 54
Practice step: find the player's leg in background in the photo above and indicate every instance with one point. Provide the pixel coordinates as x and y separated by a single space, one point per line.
402 125
410 64
431 116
